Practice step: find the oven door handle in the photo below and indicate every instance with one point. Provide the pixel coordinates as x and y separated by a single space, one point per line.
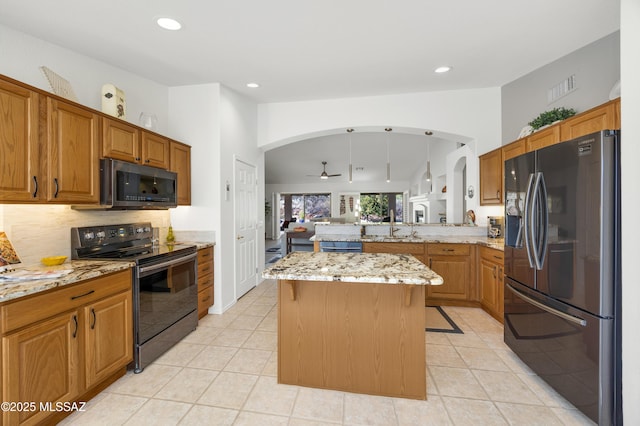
166 264
552 311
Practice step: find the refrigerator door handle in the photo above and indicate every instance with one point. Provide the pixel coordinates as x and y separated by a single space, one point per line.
571 318
527 216
538 221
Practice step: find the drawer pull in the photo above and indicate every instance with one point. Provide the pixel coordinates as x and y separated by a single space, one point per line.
93 314
497 257
82 295
75 331
449 249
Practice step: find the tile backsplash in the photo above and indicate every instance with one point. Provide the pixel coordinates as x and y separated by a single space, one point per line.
37 231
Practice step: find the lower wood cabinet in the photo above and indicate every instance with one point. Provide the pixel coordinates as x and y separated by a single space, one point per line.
455 264
205 280
65 345
491 281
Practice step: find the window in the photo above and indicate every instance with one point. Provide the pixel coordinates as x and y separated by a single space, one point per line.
305 206
375 207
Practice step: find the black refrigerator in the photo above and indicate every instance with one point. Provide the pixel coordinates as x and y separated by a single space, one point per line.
562 269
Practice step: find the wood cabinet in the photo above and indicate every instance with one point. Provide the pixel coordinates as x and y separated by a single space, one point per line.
491 178
180 155
65 344
205 280
514 149
455 264
120 140
543 138
155 150
72 155
605 116
416 249
491 281
19 143
127 142
602 117
48 149
108 337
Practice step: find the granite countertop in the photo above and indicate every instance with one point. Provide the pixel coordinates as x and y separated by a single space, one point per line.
379 268
80 270
494 243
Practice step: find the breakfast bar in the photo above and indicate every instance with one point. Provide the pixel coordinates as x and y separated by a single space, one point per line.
353 322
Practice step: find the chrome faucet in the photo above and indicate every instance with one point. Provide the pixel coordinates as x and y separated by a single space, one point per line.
392 222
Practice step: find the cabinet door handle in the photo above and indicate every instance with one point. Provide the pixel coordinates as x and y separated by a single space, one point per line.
75 331
498 194
138 158
55 180
35 184
82 295
494 272
93 314
430 262
147 161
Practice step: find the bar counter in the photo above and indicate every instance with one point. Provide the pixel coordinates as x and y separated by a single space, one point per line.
352 322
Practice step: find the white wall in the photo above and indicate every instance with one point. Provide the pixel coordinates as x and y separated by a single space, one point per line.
195 119
596 67
475 114
630 72
238 117
22 55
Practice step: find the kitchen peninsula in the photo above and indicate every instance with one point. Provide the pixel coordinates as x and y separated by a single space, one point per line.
352 322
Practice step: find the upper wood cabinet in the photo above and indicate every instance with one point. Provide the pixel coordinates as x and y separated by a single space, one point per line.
73 161
606 116
126 142
19 143
514 149
155 150
543 138
491 172
120 140
180 155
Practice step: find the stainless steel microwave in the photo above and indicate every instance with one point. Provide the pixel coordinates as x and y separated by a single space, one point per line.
133 186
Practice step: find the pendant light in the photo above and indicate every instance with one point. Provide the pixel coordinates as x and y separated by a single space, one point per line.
427 175
388 130
350 163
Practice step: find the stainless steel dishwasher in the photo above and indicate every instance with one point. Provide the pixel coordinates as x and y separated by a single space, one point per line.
341 246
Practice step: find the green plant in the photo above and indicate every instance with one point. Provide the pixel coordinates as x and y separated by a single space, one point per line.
549 117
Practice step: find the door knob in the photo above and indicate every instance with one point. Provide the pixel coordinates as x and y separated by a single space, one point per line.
239 237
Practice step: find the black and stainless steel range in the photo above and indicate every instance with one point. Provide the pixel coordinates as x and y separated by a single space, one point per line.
165 292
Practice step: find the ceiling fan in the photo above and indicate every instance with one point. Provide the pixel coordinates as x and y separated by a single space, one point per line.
324 174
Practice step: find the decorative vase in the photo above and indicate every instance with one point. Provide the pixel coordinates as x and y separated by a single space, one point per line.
170 237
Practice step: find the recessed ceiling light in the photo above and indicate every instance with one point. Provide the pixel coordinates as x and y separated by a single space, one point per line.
440 70
169 24
253 85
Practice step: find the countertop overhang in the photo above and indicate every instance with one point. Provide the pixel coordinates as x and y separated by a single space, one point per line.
378 268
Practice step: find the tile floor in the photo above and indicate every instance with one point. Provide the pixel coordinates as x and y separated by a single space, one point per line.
224 373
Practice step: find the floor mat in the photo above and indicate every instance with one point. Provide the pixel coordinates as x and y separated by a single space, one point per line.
437 320
273 250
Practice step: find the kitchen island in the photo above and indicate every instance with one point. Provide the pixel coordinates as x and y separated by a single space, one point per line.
352 322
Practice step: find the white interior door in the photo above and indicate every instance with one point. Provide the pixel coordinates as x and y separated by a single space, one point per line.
245 213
